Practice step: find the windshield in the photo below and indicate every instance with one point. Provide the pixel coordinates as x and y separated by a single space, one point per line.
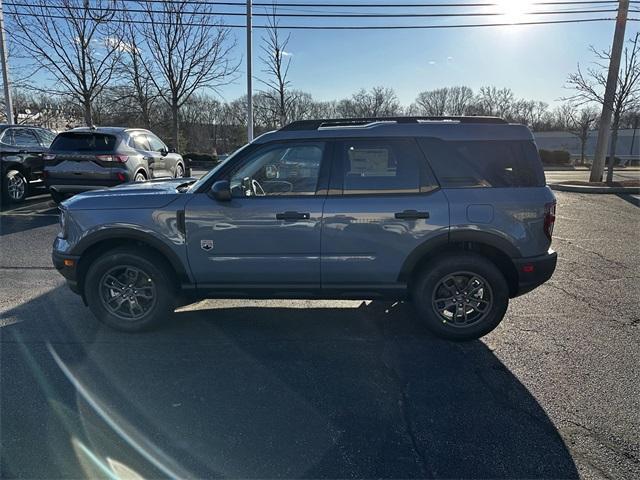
195 186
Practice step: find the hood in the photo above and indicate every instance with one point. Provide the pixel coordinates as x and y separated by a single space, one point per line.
150 194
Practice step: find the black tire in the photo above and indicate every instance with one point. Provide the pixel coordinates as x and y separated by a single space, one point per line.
180 172
15 186
154 277
481 308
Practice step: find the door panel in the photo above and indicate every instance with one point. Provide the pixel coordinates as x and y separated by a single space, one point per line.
390 204
28 149
158 162
363 243
241 242
268 234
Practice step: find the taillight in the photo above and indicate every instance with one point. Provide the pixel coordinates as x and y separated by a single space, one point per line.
113 158
549 219
49 156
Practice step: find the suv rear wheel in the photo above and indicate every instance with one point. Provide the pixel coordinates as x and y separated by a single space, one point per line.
461 296
129 290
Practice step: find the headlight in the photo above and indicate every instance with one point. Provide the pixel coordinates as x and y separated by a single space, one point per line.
63 222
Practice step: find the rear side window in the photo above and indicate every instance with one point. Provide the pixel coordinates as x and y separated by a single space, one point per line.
46 137
492 163
140 142
84 142
380 166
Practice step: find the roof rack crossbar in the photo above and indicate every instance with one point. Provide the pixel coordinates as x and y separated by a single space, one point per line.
343 122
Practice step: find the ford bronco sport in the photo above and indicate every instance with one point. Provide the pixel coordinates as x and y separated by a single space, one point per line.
451 213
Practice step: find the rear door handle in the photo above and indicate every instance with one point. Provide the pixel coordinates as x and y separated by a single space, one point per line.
411 215
292 216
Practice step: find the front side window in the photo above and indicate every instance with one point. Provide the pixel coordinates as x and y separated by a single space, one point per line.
283 169
155 144
380 166
23 137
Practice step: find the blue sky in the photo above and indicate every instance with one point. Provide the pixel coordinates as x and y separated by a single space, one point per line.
533 61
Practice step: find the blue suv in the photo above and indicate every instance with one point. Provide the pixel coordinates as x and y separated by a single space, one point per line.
451 213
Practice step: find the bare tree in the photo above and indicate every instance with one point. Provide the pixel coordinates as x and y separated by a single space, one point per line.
379 102
494 101
578 122
589 87
460 99
188 51
433 102
139 86
77 44
276 61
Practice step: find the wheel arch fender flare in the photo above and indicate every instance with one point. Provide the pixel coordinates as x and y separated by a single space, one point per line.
122 236
455 239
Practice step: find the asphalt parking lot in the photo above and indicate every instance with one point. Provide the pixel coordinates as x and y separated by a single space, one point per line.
327 389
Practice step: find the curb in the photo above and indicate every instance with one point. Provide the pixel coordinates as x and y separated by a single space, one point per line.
586 189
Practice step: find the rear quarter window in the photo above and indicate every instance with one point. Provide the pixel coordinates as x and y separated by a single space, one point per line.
491 163
84 142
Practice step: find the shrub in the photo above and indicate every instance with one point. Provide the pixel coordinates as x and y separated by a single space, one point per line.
555 157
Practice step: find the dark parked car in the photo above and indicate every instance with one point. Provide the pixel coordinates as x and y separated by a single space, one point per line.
91 158
21 158
453 214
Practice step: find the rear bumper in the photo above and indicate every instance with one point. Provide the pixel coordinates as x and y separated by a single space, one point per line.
79 185
534 271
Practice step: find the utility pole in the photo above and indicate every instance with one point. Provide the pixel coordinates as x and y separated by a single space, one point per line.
8 105
249 74
597 169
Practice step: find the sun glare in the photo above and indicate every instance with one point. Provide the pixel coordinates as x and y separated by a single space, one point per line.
513 11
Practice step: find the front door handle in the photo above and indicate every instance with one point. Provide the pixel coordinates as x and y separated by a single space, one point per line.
411 215
293 216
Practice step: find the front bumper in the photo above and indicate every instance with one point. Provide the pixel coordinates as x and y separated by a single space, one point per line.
534 271
67 265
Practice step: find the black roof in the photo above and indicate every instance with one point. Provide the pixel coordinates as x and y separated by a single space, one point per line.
347 122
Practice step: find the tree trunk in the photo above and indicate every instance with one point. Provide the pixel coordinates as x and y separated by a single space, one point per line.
612 148
145 116
174 125
583 142
86 105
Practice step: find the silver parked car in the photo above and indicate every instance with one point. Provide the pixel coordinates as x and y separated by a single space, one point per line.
91 158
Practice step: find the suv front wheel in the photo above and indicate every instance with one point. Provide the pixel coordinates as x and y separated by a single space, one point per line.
461 296
129 290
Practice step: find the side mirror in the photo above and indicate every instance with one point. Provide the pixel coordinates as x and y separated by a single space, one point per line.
164 152
221 191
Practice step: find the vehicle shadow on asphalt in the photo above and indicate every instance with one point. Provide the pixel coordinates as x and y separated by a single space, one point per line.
316 392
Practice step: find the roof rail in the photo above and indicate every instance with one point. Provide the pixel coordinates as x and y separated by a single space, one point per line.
354 122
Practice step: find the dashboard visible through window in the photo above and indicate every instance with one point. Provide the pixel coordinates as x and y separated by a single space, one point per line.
284 169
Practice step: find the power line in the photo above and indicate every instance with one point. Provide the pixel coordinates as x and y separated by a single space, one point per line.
343 27
370 5
315 15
